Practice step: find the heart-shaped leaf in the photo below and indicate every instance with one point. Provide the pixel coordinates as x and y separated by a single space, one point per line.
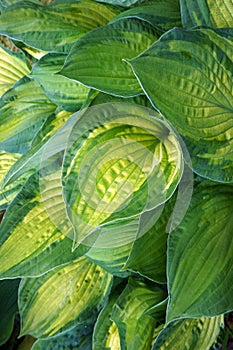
197 64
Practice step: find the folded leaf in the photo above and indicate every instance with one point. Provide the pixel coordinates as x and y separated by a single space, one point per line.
212 13
136 330
196 334
55 27
96 59
200 256
162 14
23 110
188 77
121 160
8 307
13 67
59 300
65 93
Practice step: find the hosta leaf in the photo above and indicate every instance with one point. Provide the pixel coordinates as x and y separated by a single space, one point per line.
29 237
162 14
96 59
13 66
200 256
121 160
7 160
48 139
23 110
212 13
105 333
125 3
197 65
8 307
55 301
78 338
101 97
195 334
55 27
62 91
135 328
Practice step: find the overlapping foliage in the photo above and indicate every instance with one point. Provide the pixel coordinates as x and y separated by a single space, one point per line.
116 151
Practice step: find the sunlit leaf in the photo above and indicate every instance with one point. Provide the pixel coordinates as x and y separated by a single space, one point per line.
62 91
200 256
212 13
23 110
196 334
29 237
59 300
187 74
8 307
96 59
121 160
136 329
13 66
162 14
55 27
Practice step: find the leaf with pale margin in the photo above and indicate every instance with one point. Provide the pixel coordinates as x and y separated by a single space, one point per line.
196 334
162 14
27 234
211 13
96 59
200 256
121 160
64 92
54 302
53 28
197 64
13 66
23 110
135 327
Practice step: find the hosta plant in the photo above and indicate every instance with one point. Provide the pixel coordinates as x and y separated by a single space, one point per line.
116 171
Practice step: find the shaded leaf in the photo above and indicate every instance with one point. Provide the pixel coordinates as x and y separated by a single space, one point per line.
54 302
162 14
195 334
197 65
55 27
96 59
121 160
23 110
8 307
13 66
136 329
200 256
212 13
62 91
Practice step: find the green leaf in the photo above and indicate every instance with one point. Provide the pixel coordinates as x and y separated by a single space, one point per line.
121 160
197 64
96 60
8 307
7 160
65 93
13 67
30 238
125 3
48 139
136 329
53 28
78 338
200 256
162 14
23 110
196 334
212 13
54 302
